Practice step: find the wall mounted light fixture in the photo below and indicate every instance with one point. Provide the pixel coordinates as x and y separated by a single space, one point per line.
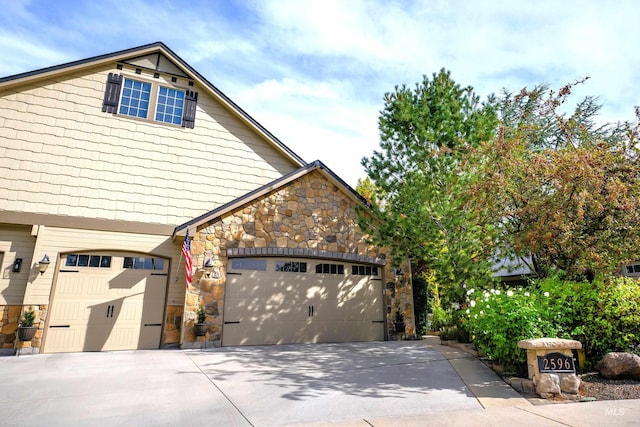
208 266
43 264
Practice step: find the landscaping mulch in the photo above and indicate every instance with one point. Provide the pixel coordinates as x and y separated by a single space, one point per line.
599 388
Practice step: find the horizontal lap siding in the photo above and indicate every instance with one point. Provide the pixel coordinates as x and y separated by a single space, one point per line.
15 242
62 155
54 241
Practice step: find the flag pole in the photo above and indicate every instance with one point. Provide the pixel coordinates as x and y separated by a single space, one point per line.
175 279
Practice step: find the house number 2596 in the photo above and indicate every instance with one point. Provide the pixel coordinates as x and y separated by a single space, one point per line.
556 362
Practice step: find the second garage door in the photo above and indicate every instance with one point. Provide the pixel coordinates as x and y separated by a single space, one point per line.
107 301
280 301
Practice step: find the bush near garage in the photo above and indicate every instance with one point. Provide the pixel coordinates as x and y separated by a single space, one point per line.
604 315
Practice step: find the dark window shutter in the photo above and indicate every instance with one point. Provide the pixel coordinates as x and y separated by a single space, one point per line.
189 111
112 93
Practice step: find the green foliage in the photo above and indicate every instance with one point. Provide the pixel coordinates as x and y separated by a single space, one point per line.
564 193
368 189
28 318
420 303
497 320
202 315
449 333
422 179
604 315
439 317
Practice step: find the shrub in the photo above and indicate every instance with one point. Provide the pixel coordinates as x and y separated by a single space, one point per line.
498 319
439 318
604 315
449 333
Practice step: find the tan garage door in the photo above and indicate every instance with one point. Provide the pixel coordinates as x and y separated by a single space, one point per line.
107 301
279 301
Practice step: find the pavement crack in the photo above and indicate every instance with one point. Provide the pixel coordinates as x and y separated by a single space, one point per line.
542 416
220 390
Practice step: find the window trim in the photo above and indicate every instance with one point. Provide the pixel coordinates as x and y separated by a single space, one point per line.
157 102
150 103
115 87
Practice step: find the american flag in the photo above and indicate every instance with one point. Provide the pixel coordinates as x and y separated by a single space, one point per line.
186 251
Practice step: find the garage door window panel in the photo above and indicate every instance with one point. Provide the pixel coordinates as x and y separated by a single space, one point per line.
291 266
249 264
330 268
364 270
86 260
143 263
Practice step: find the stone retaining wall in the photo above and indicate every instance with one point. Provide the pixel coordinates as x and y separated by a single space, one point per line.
310 213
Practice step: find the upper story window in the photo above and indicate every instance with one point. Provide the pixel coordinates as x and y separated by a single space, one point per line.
169 105
136 98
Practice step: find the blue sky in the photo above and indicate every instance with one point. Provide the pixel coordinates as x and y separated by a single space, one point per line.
314 73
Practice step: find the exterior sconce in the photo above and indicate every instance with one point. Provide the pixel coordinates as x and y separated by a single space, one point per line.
43 264
208 266
397 271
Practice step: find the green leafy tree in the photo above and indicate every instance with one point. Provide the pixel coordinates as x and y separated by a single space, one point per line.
368 189
422 179
564 192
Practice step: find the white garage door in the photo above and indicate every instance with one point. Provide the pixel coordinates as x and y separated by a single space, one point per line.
280 301
107 301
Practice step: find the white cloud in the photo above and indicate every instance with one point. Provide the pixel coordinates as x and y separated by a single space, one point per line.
314 72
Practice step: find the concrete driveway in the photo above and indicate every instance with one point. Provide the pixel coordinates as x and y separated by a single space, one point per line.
259 386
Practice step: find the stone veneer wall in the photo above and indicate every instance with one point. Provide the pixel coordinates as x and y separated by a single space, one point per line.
9 321
173 321
308 213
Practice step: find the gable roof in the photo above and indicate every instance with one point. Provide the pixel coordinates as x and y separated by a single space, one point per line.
192 225
158 57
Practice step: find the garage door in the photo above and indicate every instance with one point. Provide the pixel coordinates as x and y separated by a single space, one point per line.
107 301
279 301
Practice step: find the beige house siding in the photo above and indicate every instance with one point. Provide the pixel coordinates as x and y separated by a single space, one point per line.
15 242
62 155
